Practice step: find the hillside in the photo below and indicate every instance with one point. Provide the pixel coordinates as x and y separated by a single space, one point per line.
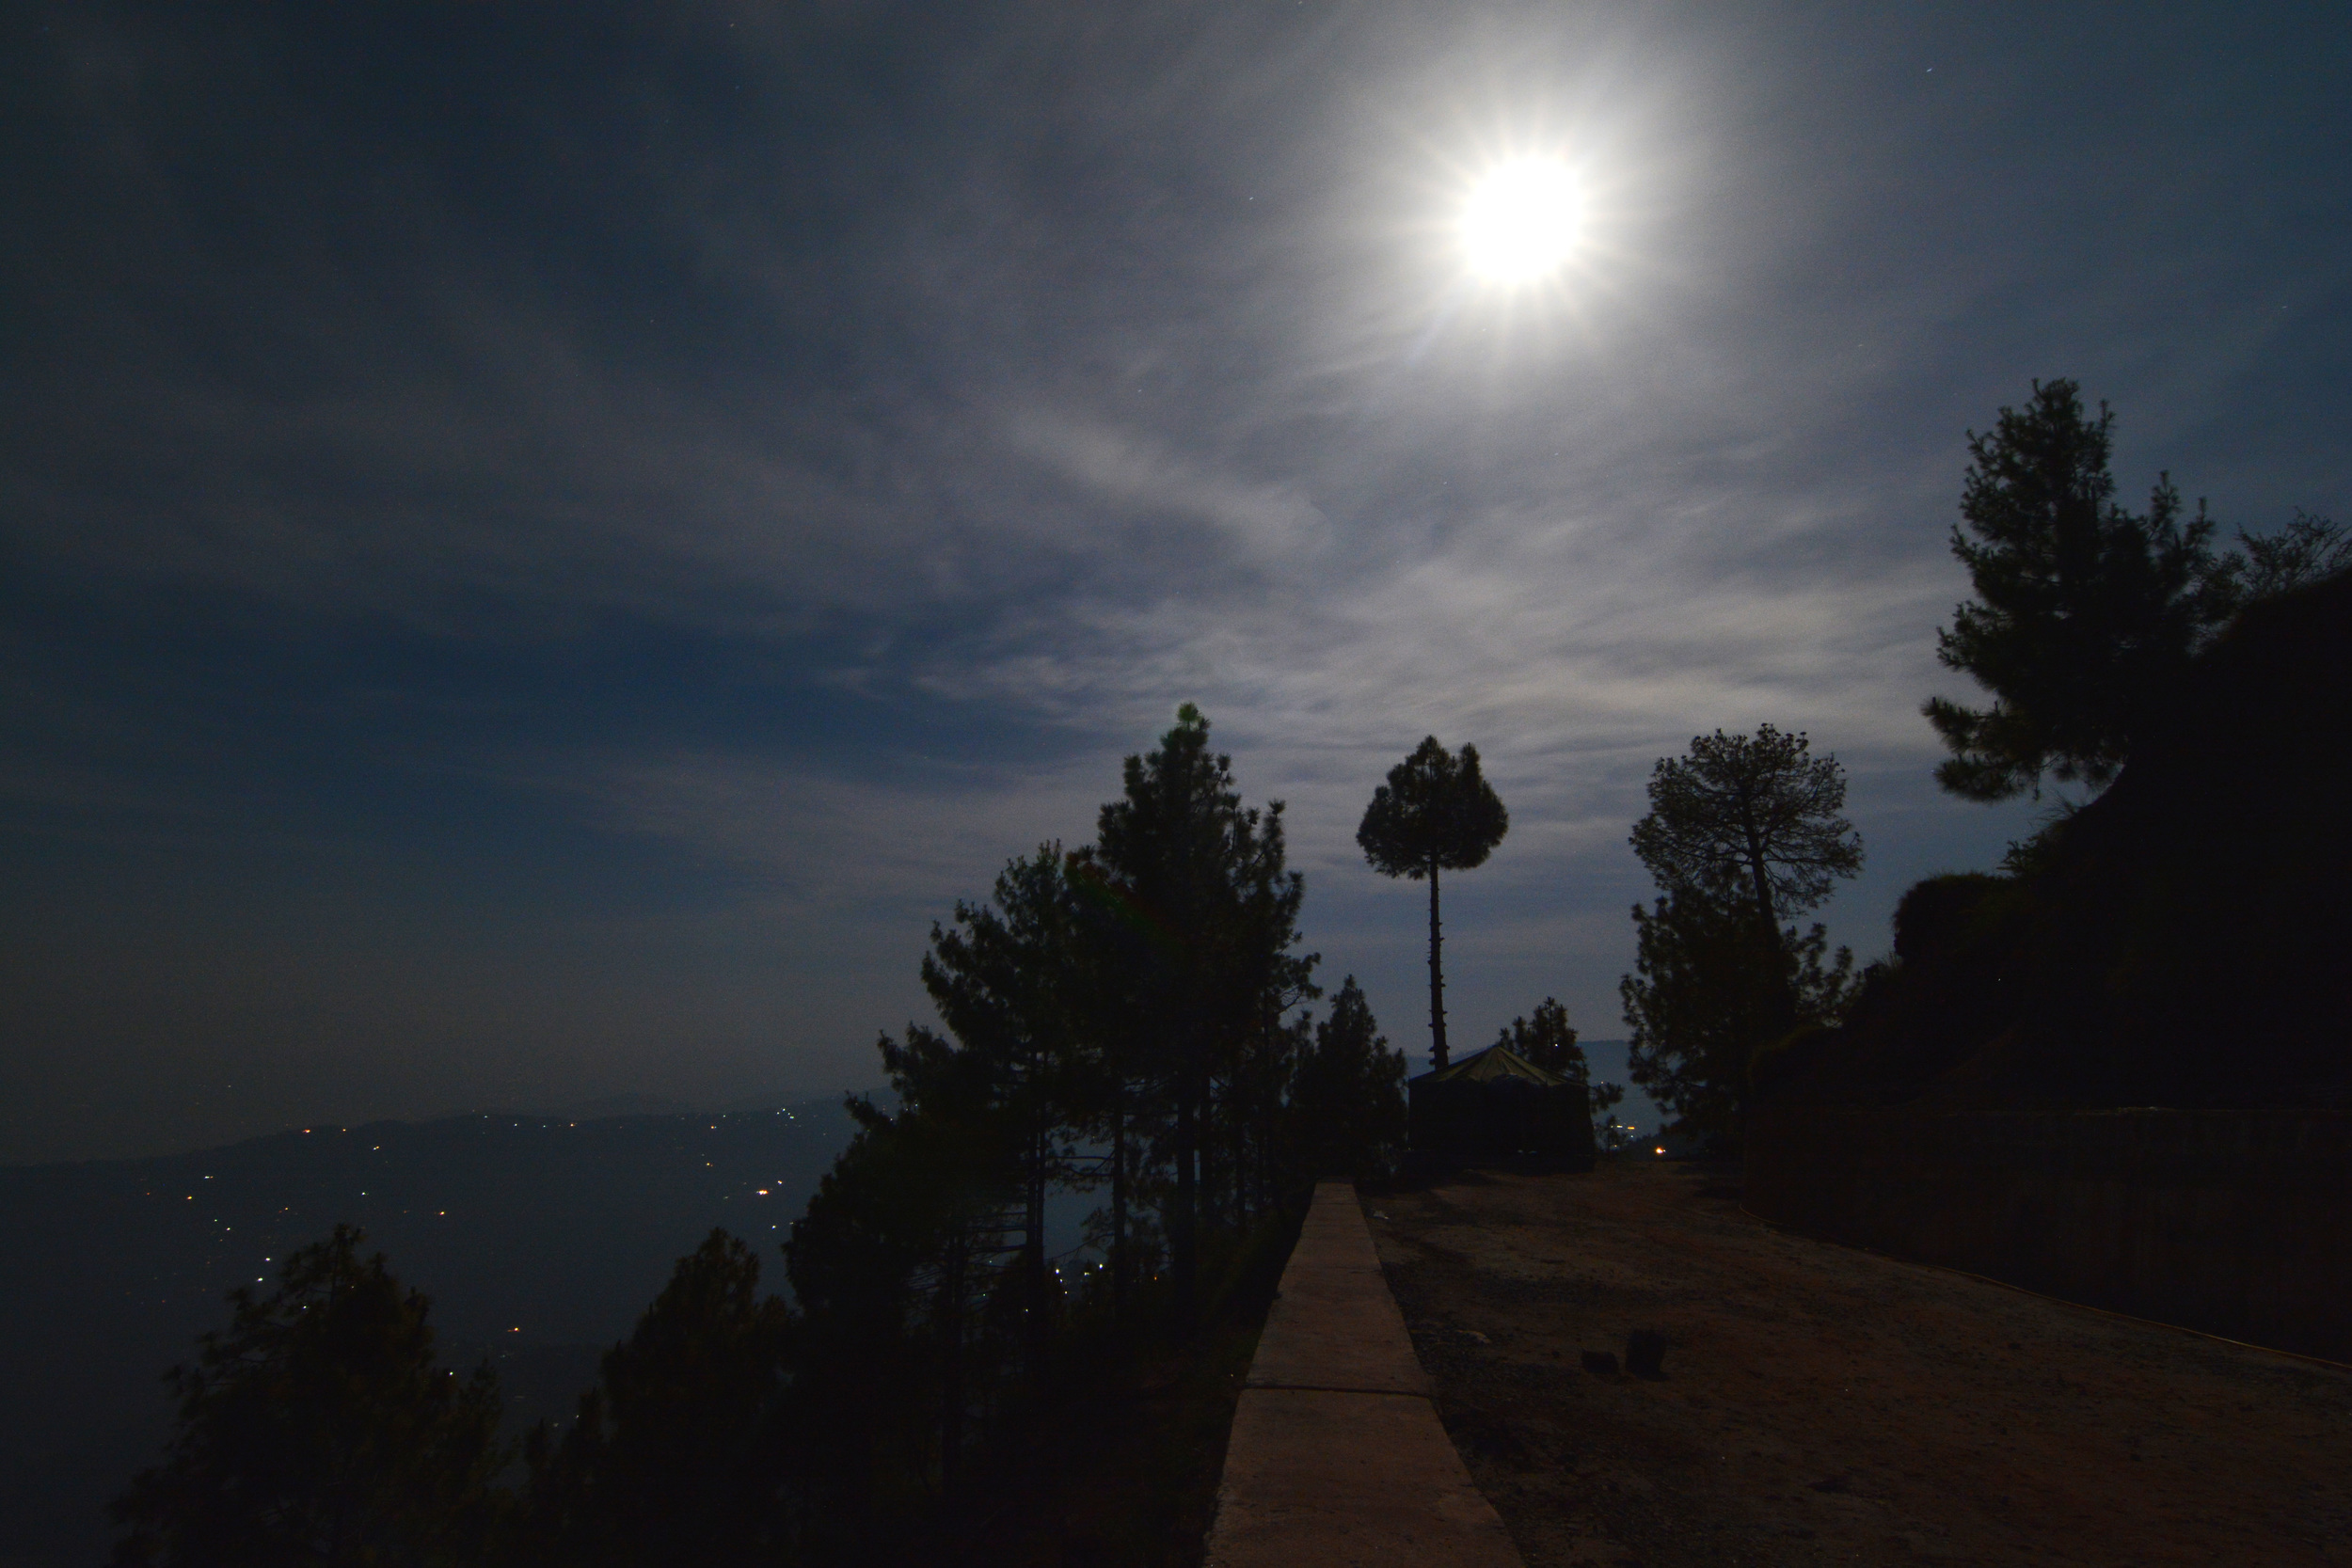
2177 941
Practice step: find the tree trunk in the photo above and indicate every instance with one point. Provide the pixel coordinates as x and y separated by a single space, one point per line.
1033 1253
1180 1220
1119 1215
1437 980
1205 1201
1784 983
951 1390
1245 1146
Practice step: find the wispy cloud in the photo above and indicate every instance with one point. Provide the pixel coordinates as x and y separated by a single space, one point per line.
838 847
1004 381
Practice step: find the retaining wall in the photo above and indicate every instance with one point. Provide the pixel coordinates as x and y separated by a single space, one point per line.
2238 1223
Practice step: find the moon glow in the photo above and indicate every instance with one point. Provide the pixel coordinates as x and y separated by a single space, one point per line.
1520 221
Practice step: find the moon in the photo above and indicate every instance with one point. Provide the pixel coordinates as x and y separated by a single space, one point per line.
1521 222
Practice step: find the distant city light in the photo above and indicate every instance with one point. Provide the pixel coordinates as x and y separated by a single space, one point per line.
1661 1149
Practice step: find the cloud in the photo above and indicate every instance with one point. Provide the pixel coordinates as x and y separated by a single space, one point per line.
1271 522
834 849
808 448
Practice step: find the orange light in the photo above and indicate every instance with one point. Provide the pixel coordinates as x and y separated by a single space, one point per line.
1661 1149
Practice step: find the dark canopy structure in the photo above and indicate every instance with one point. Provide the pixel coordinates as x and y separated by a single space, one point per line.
1497 1107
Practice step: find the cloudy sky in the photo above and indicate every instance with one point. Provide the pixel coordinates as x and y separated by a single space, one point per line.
543 545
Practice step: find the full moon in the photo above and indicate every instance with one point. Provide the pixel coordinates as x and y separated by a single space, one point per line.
1520 221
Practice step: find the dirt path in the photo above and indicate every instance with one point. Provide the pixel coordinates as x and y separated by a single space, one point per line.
1824 1405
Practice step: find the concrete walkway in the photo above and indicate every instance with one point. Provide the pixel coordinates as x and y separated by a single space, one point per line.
1335 1456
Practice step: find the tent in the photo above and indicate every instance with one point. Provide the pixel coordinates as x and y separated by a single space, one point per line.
1496 1107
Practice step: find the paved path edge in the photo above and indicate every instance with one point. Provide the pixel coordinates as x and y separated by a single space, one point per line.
1336 1458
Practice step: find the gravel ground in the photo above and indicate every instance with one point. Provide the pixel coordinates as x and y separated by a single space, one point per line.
1818 1404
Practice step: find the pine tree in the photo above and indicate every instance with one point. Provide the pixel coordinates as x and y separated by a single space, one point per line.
1547 1039
318 1430
1435 813
1347 1103
1710 988
2086 613
1207 884
1755 821
1007 977
675 1454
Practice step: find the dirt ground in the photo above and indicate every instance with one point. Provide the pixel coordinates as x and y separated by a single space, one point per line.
1819 1404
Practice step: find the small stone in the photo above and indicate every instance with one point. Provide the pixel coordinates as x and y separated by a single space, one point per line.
1601 1361
1645 1353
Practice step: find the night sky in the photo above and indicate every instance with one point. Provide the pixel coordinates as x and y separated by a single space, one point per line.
542 545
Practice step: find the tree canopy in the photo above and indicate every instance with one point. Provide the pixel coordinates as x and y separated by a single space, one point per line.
1547 1039
1741 833
319 1430
2086 612
1435 813
2308 550
1348 1096
675 1452
1749 818
1709 990
1203 881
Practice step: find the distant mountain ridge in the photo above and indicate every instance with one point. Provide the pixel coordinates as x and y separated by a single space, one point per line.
606 1106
